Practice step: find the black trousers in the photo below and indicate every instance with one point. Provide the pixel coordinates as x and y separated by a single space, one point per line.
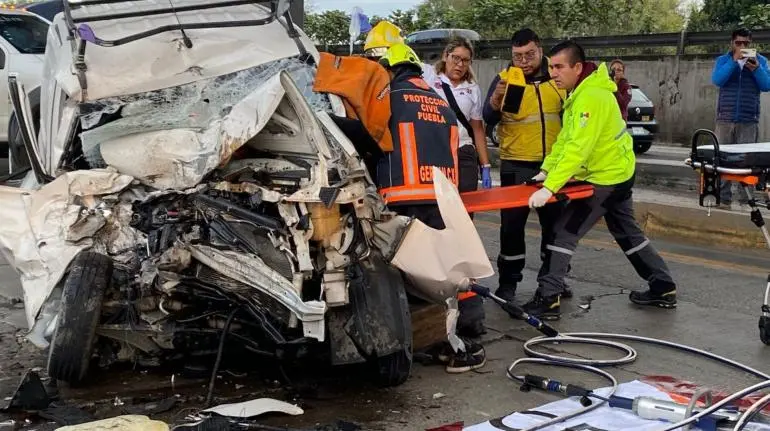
614 203
426 213
513 248
468 167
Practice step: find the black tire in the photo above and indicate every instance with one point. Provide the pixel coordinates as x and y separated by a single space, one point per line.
491 132
395 368
764 330
17 154
81 304
642 147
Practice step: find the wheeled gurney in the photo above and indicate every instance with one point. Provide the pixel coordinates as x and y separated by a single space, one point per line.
747 164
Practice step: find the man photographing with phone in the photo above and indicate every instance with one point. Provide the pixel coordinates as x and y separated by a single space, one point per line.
741 75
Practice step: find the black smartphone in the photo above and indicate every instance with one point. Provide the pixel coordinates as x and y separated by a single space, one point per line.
514 90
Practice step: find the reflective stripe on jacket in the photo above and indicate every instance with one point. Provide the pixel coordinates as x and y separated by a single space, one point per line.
593 145
529 134
424 131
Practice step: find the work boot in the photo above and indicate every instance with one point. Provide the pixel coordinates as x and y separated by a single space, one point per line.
506 291
544 307
446 353
473 358
652 299
470 323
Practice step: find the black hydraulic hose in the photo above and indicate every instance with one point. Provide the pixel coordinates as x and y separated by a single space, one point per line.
515 311
218 361
236 211
604 339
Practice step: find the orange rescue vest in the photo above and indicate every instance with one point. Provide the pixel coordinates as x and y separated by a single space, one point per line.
364 87
424 130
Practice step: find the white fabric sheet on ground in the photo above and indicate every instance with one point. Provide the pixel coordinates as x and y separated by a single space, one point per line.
603 418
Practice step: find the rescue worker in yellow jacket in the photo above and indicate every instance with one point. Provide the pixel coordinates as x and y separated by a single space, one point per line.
425 134
525 138
594 147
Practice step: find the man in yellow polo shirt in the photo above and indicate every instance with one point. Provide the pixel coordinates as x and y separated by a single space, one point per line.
526 138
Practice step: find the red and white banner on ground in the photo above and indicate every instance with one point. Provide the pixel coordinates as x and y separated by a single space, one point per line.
603 418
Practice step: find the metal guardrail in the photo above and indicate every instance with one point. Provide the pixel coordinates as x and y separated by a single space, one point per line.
680 40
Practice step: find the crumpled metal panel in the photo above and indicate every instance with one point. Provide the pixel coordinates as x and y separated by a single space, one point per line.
171 139
252 271
37 224
164 59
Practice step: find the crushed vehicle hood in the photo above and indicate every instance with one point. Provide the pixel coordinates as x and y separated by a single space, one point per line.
172 138
43 231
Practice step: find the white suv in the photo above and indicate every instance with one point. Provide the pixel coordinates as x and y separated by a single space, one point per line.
22 45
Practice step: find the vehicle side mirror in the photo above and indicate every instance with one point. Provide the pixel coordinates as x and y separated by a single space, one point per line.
2 59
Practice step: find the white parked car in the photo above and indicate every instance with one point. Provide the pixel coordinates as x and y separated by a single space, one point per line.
22 45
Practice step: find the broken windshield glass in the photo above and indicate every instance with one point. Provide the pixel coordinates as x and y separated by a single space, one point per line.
192 106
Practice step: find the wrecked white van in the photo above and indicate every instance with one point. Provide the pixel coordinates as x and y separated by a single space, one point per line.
187 186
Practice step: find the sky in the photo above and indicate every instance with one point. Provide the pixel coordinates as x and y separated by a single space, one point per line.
370 7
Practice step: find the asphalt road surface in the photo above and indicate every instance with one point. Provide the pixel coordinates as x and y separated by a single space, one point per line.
663 168
720 293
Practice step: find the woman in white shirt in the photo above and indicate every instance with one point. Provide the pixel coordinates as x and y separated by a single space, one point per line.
453 76
454 73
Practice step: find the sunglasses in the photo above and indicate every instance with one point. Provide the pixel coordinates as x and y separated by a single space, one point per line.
742 42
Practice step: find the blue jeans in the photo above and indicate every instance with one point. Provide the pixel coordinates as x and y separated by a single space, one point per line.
731 134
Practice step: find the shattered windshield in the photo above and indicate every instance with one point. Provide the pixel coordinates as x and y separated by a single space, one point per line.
192 106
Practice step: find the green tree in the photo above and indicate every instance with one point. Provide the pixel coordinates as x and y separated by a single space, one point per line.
404 19
724 14
758 16
329 27
498 19
434 14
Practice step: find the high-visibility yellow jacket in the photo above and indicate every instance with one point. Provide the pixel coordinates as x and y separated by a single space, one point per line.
529 134
594 145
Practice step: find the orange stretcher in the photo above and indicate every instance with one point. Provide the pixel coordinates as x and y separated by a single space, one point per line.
498 198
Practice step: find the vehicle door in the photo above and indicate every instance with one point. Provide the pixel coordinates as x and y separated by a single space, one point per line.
22 41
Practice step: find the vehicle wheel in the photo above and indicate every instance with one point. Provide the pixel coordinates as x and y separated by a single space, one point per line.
764 330
394 369
642 147
17 154
81 304
491 132
377 323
